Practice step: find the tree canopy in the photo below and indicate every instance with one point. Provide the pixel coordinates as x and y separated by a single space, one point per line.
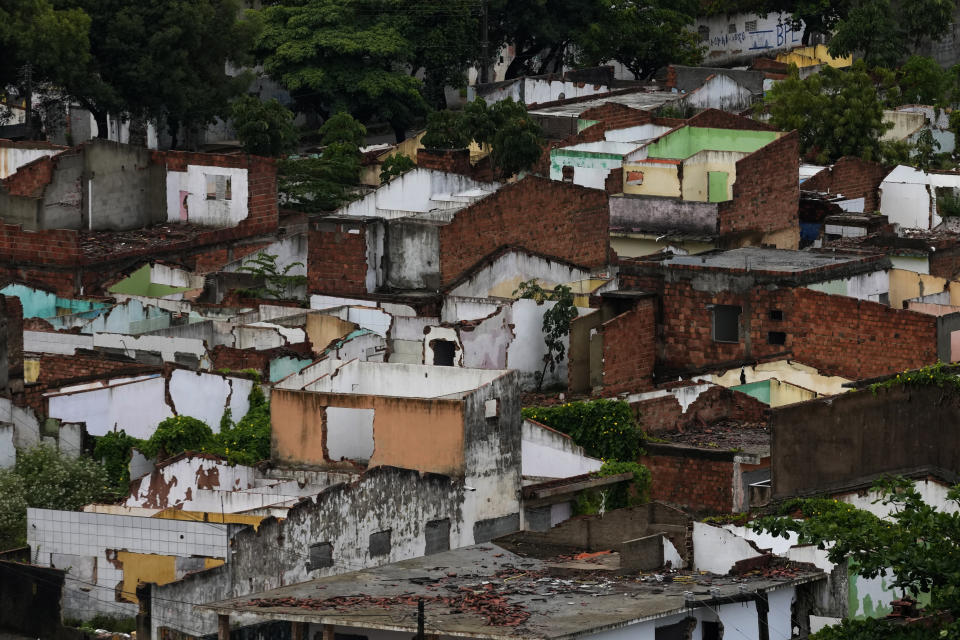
642 35
836 113
916 548
264 128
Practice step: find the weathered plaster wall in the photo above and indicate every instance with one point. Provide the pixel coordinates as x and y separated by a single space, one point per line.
550 454
188 199
668 215
504 274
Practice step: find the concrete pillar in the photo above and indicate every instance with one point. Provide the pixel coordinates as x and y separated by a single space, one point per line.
328 632
223 627
298 630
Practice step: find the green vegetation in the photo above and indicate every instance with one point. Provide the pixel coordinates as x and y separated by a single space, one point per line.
516 141
934 375
277 283
879 629
606 429
264 128
622 494
326 181
101 621
915 547
556 321
113 449
836 113
395 165
44 478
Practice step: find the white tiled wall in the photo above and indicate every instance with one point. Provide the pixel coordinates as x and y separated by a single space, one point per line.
79 542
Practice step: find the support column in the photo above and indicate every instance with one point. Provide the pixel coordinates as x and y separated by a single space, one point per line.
298 630
328 632
223 627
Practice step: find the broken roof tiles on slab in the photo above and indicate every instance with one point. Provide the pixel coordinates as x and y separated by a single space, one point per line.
487 591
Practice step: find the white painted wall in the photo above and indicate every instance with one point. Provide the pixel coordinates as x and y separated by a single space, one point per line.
917 264
12 158
770 34
456 308
719 92
513 267
8 452
640 133
414 191
167 347
907 198
181 478
716 549
403 380
289 250
547 453
212 213
350 433
59 343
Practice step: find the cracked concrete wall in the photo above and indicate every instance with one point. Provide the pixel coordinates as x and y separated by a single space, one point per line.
138 404
344 516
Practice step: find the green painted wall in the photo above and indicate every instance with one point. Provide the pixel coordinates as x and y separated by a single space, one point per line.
759 390
559 158
138 284
43 304
282 367
690 140
835 287
583 124
717 186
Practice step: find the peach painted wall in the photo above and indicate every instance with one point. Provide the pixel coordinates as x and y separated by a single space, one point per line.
410 433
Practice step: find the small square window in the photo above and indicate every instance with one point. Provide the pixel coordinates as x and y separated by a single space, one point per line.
731 28
321 555
776 337
776 314
726 323
704 33
380 543
219 187
751 25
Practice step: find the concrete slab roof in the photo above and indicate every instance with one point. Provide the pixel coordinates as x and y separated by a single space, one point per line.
485 591
768 260
646 100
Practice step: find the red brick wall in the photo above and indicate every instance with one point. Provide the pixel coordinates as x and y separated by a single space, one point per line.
337 259
664 414
766 194
58 246
945 263
629 349
263 211
451 160
838 335
716 119
223 357
854 178
698 484
11 308
30 178
545 216
56 369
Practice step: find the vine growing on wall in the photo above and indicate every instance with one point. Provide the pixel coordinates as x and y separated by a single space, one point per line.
628 493
934 375
606 429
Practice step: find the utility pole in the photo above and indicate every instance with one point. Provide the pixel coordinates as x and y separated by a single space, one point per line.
420 635
484 42
28 81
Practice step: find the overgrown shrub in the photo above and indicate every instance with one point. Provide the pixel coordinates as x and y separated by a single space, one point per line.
606 429
622 494
46 479
113 450
178 434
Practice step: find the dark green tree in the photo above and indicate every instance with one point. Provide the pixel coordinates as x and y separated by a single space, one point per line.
517 141
53 41
917 548
446 130
642 35
343 55
264 128
164 60
325 181
836 113
922 81
395 165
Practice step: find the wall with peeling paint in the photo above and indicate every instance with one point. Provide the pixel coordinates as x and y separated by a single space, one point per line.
137 405
91 544
343 516
501 277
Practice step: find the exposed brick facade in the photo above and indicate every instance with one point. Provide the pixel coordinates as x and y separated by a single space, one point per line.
766 194
57 369
455 161
337 258
12 310
716 119
945 262
852 177
57 247
30 179
552 218
699 483
836 334
629 349
223 357
665 415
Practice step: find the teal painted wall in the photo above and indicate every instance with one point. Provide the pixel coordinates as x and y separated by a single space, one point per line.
690 140
759 390
559 158
282 367
43 304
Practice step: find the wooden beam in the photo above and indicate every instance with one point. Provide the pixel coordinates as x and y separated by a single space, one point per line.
223 627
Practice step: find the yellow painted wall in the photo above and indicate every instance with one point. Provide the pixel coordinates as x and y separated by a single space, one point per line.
910 284
323 329
659 179
31 371
954 293
208 516
144 567
814 55
786 371
782 393
696 181
635 245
